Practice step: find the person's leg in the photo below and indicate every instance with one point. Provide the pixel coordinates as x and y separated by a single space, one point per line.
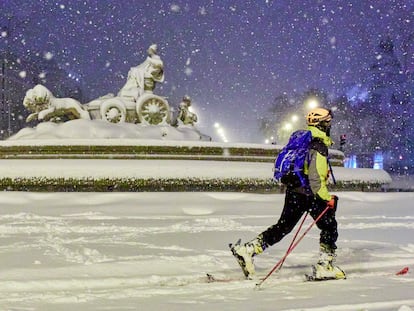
294 207
325 267
327 224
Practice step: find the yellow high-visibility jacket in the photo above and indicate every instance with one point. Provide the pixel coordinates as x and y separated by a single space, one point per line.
318 168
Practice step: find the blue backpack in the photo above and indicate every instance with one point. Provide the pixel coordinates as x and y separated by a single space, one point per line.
290 163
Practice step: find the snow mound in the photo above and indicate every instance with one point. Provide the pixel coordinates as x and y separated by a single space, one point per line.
99 129
197 211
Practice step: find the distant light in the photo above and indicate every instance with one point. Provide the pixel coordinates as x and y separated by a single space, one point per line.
22 74
351 162
4 34
312 103
378 161
220 132
267 141
288 126
295 118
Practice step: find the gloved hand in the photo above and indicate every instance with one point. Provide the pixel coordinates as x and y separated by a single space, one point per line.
332 202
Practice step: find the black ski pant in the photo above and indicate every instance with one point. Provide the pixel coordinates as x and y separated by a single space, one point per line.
296 204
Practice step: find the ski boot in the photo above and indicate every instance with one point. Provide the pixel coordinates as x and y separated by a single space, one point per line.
326 269
244 254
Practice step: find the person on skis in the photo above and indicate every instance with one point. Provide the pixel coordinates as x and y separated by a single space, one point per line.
314 198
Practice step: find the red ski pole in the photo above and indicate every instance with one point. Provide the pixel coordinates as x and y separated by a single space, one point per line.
293 241
293 246
279 264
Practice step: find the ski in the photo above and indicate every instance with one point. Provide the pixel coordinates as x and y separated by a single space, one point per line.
214 279
312 278
211 278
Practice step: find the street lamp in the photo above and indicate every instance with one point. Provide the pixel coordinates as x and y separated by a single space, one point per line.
220 132
270 140
311 103
288 126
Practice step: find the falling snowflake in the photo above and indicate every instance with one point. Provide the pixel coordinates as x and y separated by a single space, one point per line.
175 8
188 71
202 11
48 55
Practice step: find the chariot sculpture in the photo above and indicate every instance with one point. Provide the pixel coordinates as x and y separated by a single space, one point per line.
135 102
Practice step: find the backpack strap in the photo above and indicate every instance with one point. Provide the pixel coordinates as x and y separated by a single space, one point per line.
318 145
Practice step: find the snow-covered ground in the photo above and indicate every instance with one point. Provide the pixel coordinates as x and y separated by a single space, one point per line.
151 251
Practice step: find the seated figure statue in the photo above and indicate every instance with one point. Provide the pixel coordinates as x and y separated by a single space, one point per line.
184 114
143 77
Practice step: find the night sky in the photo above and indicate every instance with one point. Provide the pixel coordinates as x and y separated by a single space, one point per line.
232 57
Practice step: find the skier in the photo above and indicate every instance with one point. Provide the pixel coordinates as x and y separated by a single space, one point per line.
314 198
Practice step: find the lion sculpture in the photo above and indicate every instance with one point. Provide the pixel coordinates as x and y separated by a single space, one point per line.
45 107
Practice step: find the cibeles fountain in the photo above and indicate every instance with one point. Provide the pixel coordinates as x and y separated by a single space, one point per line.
134 124
135 112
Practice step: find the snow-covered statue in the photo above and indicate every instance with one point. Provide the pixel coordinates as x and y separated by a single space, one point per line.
45 107
143 77
184 114
134 103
